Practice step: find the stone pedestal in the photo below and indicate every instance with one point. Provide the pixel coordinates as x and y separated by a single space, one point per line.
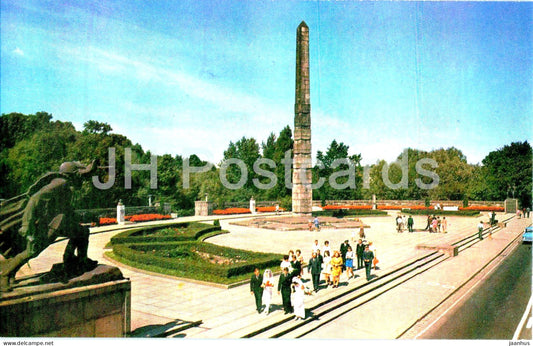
121 213
203 208
252 206
96 304
511 205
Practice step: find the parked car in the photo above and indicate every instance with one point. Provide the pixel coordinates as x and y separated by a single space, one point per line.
528 235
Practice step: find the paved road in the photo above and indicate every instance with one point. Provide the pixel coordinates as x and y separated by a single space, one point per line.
495 308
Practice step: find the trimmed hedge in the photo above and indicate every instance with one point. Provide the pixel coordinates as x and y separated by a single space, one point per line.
441 212
181 257
349 212
191 231
177 255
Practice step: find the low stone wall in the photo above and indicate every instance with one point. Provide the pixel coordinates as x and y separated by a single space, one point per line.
447 249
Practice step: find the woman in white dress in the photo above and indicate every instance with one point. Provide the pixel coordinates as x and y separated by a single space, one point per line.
326 267
297 298
268 284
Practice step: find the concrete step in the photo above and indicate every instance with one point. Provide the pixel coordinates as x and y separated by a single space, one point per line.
350 299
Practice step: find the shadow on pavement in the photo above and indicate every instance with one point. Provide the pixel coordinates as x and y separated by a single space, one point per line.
163 330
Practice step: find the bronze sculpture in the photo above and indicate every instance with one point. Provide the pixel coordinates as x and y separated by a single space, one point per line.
29 223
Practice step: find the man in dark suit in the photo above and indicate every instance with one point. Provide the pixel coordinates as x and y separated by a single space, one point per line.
296 267
344 250
368 257
410 223
315 268
255 288
359 250
319 256
428 226
284 286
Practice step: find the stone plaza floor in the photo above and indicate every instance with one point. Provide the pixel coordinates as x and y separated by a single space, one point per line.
159 300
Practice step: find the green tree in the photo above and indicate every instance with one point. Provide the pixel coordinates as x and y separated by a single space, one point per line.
96 127
246 151
269 147
340 172
284 145
455 174
30 158
441 174
508 173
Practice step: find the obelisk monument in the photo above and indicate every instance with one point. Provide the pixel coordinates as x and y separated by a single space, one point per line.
302 194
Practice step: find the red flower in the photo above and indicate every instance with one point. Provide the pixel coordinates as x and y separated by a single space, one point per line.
107 221
148 217
352 207
483 208
268 209
229 211
134 218
390 207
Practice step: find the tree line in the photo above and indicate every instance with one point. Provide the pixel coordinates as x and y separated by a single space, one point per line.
31 145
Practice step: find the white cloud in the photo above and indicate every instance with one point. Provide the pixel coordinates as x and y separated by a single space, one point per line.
216 115
18 51
223 98
207 143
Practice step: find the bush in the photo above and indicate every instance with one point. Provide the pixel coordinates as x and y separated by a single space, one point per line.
185 212
340 213
216 223
286 203
427 202
465 202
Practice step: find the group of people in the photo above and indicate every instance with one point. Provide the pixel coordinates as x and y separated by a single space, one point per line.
290 286
323 262
523 213
436 225
332 263
401 223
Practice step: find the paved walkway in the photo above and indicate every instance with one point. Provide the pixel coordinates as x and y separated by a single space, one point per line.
160 300
401 307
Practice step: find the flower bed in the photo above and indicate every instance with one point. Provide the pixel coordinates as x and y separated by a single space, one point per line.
107 221
133 218
418 207
230 211
268 209
148 217
350 207
483 208
390 207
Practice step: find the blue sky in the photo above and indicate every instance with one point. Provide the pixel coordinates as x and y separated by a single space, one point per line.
183 77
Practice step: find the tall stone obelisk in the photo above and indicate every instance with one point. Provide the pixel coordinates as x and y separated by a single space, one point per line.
302 194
